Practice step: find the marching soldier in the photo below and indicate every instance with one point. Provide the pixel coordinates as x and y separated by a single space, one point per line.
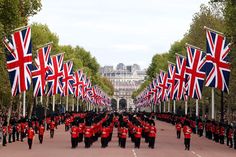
187 135
30 136
105 135
230 136
123 136
74 135
17 131
81 130
152 134
178 127
88 133
41 130
52 127
4 131
137 135
200 128
235 138
9 129
222 134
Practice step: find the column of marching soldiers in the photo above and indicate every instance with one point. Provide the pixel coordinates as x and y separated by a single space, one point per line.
85 126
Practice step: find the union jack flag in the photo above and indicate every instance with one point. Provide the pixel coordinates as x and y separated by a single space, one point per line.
217 66
83 86
180 68
19 60
163 86
171 81
77 83
55 75
39 74
67 80
194 72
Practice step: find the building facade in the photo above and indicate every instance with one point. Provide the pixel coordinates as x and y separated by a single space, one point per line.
125 80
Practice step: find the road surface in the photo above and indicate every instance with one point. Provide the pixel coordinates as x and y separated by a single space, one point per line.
167 145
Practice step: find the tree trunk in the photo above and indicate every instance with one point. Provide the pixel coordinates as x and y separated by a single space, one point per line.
9 111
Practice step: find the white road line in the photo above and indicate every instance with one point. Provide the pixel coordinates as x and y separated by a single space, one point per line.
196 154
135 155
193 152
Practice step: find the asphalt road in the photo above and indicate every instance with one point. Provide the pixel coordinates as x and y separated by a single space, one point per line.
167 145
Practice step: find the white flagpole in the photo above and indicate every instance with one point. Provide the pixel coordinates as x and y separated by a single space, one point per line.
36 100
186 107
212 104
41 100
174 107
67 103
77 105
160 107
24 97
197 113
73 105
53 103
169 106
164 108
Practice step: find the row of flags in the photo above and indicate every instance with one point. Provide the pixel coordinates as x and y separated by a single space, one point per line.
186 77
50 75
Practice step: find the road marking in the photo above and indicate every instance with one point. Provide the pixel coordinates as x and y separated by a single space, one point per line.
135 155
196 154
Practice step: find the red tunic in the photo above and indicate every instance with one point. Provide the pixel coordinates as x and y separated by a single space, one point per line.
88 132
124 132
41 130
30 133
178 126
52 125
74 131
187 132
152 132
105 132
138 132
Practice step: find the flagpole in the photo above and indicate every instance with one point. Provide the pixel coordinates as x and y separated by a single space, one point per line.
164 108
41 100
67 103
212 104
36 100
77 104
174 107
73 105
186 107
169 106
160 107
24 97
197 108
53 103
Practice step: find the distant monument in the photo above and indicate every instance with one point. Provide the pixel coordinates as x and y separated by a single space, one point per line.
125 80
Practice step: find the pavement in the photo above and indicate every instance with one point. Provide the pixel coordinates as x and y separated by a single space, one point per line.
167 145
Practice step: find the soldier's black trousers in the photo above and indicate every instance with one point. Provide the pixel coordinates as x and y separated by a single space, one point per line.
122 142
9 138
151 142
87 142
30 141
80 137
137 142
17 136
51 133
4 142
222 139
104 142
230 142
73 142
187 143
41 139
178 134
14 136
200 132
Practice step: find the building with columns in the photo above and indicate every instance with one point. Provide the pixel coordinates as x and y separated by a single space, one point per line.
125 80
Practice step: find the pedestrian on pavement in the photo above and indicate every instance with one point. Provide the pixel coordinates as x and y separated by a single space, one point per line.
187 135
230 137
30 136
152 134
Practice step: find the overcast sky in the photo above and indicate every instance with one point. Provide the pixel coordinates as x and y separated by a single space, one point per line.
114 31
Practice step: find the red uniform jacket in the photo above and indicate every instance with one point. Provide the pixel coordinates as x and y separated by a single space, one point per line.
124 132
187 132
81 128
9 129
52 125
105 132
138 132
30 133
41 130
88 132
152 132
74 131
4 130
178 126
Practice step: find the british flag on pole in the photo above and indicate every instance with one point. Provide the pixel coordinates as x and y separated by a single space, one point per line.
194 74
171 81
163 86
55 75
180 68
67 80
19 60
217 66
77 83
40 72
